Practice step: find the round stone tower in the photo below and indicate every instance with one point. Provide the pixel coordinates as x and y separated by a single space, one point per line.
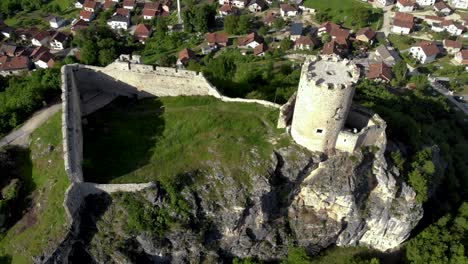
324 97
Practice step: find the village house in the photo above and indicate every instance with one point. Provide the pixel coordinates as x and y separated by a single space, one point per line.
91 6
252 40
119 22
260 50
270 18
14 65
386 2
78 25
452 46
226 10
287 10
150 10
405 5
366 35
256 6
425 51
442 7
433 19
8 50
87 15
403 23
122 12
129 4
386 55
461 4
305 43
240 3
449 26
185 56
45 60
332 29
331 48
217 40
142 32
425 2
461 57
108 4
41 38
79 3
57 22
295 31
58 41
380 72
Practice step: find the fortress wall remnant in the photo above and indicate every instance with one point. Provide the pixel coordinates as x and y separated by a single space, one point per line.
71 125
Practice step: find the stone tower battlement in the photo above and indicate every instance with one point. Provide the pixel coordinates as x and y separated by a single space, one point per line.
324 98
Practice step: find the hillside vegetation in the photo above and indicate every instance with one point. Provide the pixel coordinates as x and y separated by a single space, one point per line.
44 223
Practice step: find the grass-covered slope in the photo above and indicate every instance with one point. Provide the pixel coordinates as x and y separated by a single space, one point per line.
159 139
44 223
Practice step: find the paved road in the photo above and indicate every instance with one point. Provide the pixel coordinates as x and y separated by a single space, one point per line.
20 136
445 92
386 20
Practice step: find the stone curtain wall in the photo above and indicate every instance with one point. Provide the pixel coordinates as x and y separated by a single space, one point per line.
71 125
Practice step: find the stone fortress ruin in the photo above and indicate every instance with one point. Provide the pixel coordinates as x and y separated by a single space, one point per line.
320 115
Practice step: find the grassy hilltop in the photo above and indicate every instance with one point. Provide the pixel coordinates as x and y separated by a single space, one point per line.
158 139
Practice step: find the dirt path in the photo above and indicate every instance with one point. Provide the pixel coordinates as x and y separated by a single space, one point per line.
20 136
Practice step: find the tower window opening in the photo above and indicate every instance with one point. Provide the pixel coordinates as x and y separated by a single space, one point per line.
331 72
319 131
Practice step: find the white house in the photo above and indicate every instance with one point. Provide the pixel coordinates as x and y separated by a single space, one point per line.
386 2
57 22
40 39
461 4
287 10
425 2
119 22
403 23
252 40
425 51
452 28
79 3
405 5
461 57
443 8
240 3
58 41
257 6
452 46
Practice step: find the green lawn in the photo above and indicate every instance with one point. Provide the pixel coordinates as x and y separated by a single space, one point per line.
44 224
342 11
401 42
161 139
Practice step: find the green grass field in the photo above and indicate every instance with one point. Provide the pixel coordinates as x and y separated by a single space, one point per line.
342 11
401 42
160 139
44 224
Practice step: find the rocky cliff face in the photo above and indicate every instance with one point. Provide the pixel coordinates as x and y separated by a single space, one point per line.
306 199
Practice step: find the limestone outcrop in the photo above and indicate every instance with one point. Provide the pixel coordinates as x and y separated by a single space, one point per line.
304 198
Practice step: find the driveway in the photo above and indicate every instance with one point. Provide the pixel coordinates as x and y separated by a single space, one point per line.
387 15
20 136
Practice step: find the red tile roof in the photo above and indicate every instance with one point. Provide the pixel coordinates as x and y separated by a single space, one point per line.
453 44
406 2
217 38
304 40
41 35
380 71
429 48
84 14
436 18
367 31
129 3
142 31
226 8
149 12
260 49
440 5
14 63
243 41
90 4
403 20
330 48
122 12
108 4
80 24
464 54
288 8
186 54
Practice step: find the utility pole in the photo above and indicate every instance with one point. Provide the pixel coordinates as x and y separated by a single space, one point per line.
178 12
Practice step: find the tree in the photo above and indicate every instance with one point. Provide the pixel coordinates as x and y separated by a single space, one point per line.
420 81
243 26
326 38
399 71
230 24
285 44
279 23
360 15
199 18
